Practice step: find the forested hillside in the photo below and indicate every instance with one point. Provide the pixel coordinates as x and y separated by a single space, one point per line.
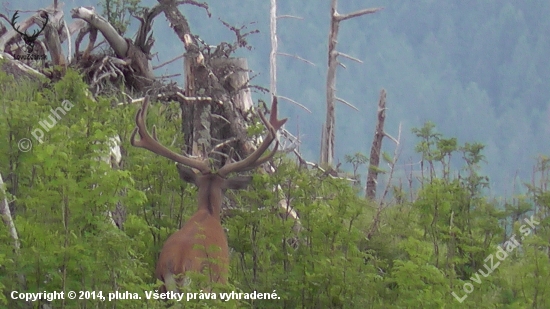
478 70
462 223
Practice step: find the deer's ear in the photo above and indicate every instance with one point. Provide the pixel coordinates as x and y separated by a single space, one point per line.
237 182
186 174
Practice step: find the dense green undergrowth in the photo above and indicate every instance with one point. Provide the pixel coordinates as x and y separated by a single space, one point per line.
438 237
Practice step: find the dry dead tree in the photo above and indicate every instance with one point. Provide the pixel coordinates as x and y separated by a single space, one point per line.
382 204
327 137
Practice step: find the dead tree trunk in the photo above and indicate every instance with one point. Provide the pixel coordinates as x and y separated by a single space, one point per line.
273 53
376 148
327 142
382 205
198 120
215 103
7 218
5 213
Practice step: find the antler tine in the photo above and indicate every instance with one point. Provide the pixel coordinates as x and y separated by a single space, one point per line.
272 118
274 135
154 133
152 144
35 35
263 159
253 159
13 19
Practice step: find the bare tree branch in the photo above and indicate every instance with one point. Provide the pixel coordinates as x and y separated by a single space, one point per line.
168 62
5 213
203 5
345 102
69 43
53 41
290 100
392 165
349 57
116 41
297 57
290 16
393 139
356 13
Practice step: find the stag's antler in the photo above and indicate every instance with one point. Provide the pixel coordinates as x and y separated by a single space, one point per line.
152 144
12 23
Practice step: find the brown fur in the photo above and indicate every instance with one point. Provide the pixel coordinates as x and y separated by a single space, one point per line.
201 242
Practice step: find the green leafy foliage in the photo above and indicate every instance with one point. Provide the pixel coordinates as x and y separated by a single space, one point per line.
440 236
118 12
63 193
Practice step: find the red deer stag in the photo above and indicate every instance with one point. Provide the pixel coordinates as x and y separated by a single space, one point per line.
201 243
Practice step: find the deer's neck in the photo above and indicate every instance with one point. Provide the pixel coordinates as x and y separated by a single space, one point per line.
210 199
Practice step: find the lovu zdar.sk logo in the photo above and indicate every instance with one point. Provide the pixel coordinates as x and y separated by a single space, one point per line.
28 38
